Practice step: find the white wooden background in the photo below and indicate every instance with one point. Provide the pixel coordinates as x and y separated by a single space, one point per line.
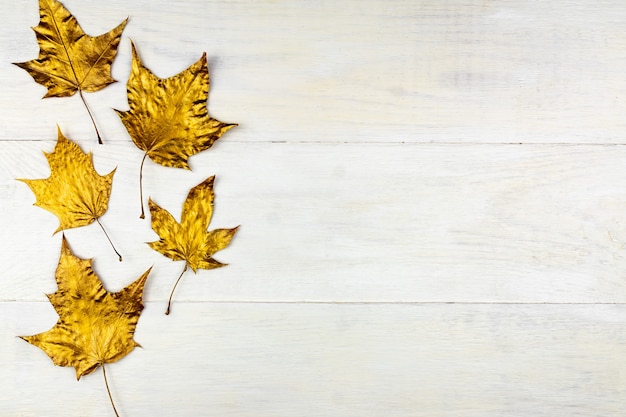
432 199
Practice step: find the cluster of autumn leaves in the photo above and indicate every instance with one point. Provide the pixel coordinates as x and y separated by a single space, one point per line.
168 120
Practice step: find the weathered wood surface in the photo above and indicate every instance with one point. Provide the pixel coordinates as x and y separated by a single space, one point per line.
319 360
348 222
432 199
356 71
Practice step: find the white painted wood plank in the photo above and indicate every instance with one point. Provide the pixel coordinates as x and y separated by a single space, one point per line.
346 222
335 360
356 71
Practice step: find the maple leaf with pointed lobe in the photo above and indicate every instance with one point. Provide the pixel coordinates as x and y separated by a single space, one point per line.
190 240
70 60
168 118
74 191
95 326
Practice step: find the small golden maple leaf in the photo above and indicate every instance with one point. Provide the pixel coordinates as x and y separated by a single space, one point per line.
190 240
74 191
94 326
168 118
70 60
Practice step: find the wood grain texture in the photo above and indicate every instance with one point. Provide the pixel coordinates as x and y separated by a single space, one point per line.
355 71
347 222
432 204
259 359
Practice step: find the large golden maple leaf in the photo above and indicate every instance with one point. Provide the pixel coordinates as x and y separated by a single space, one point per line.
74 191
70 60
190 240
95 326
168 118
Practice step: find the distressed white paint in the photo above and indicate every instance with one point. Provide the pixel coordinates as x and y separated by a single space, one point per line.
240 359
397 245
350 222
358 71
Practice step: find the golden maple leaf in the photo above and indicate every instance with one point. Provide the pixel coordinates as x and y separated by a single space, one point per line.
168 118
74 191
70 60
189 240
94 326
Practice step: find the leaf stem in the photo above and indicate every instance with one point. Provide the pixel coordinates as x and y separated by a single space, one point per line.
80 92
106 382
109 239
169 302
142 216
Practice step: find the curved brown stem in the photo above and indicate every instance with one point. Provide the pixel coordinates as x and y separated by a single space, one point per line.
142 216
169 302
104 372
109 239
80 93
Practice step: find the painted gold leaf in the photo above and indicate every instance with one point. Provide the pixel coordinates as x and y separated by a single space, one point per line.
190 240
74 191
70 60
94 326
168 118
